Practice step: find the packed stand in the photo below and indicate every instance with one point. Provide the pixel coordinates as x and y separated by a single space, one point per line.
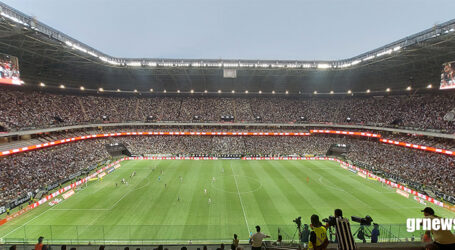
26 172
21 110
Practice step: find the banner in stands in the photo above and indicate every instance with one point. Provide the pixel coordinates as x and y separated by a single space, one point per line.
68 194
403 193
9 70
448 76
349 133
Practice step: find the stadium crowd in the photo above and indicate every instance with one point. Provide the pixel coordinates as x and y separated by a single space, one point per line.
25 172
22 110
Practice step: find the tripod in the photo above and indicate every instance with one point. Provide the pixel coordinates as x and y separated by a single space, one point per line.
362 229
295 232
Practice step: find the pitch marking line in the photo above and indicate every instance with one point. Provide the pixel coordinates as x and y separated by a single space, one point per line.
240 198
23 225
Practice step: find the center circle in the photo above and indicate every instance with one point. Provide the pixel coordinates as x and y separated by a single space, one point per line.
236 184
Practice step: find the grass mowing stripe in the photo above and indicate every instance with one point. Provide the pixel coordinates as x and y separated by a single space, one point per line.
261 205
272 194
240 198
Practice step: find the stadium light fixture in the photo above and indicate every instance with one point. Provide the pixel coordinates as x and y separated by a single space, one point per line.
42 84
287 92
349 91
408 88
331 92
164 91
397 48
100 89
315 92
133 64
368 58
323 66
135 91
178 91
205 91
151 90
118 90
429 86
62 86
273 91
387 89
233 91
368 91
192 91
260 91
82 88
219 91
246 91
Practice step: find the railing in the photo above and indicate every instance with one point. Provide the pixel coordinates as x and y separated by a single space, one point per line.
159 234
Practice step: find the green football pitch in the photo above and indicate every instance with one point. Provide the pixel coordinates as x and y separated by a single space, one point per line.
158 206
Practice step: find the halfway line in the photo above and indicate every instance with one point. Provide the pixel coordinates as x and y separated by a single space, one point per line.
240 198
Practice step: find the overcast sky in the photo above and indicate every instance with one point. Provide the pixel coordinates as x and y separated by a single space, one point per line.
238 29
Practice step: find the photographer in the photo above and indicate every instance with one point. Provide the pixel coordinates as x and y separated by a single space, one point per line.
304 235
374 233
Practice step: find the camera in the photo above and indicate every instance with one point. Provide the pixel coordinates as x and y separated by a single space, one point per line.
298 221
363 221
331 221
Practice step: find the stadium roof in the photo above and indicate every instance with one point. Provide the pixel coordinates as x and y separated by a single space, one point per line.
49 56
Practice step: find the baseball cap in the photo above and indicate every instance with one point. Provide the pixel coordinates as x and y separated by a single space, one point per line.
428 210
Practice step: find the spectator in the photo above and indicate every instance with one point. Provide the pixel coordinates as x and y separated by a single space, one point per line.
256 239
235 241
39 245
442 239
344 237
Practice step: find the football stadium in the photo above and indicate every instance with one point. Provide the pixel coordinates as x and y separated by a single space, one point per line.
101 151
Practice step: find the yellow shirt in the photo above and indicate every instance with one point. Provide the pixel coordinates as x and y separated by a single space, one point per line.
321 236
